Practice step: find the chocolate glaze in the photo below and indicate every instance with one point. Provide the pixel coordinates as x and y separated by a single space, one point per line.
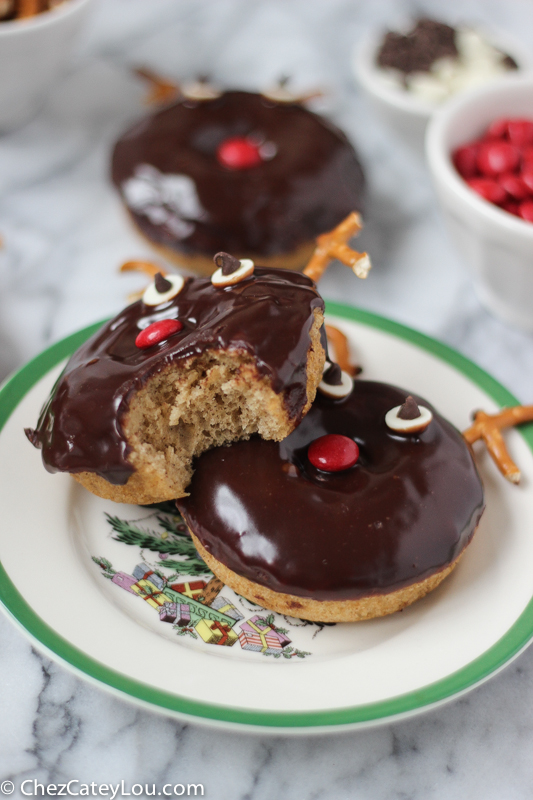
310 185
268 315
403 512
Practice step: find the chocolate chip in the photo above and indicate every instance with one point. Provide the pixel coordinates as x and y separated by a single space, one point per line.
409 410
428 41
333 375
228 264
161 283
509 62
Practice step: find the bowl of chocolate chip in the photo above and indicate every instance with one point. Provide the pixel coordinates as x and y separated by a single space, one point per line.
36 38
409 73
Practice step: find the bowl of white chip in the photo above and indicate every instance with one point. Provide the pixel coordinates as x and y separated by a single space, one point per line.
409 73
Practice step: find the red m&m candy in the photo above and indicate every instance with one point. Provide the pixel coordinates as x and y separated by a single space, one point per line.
498 129
520 132
489 189
465 160
239 152
525 210
333 453
511 207
157 332
497 157
527 156
513 185
527 177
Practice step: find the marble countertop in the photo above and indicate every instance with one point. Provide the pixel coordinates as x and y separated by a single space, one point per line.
64 234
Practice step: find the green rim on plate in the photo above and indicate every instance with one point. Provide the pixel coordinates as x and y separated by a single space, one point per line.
516 638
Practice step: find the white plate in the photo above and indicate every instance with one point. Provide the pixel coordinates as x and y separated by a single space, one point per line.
326 677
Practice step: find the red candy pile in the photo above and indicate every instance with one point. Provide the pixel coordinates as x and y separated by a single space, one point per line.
499 165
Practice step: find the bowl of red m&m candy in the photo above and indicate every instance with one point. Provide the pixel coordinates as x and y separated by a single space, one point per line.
479 149
499 165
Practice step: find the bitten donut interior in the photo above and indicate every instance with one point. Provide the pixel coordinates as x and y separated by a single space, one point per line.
129 412
346 545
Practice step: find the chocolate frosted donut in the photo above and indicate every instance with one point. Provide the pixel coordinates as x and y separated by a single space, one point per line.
338 546
192 184
129 412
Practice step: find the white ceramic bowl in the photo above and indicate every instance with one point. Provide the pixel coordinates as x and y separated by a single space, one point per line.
407 114
495 245
33 52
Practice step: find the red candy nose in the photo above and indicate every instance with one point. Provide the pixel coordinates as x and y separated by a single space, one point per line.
157 332
333 453
239 153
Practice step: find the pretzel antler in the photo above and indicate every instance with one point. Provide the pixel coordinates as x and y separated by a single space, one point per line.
342 353
148 267
488 426
161 90
334 245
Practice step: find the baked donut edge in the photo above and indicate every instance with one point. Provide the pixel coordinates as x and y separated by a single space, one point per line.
363 608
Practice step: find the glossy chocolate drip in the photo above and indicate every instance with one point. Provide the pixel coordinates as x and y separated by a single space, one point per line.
310 185
268 315
403 512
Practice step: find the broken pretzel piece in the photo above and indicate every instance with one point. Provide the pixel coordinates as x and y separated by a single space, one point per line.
488 426
212 590
333 244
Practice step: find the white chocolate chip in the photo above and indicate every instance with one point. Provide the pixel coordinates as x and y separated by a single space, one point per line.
245 270
199 90
152 297
279 94
342 390
417 425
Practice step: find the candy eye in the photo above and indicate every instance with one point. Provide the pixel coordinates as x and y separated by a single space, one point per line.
409 417
163 289
231 270
335 382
